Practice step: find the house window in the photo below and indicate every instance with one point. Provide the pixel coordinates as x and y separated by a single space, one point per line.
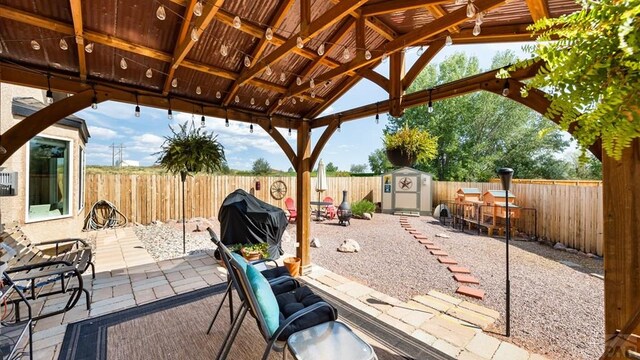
81 172
48 178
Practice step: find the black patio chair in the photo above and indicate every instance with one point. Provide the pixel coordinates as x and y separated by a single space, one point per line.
31 269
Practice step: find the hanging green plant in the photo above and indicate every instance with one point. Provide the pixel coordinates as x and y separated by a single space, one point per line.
409 146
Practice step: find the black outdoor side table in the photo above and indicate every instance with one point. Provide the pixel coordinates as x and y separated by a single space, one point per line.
12 333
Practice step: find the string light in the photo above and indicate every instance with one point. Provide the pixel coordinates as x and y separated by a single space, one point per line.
480 18
174 82
312 83
420 50
313 94
377 113
149 73
218 95
293 101
123 64
279 102
251 128
430 108
94 100
270 126
283 77
237 23
252 101
266 102
63 44
268 71
448 41
268 34
505 88
367 55
224 51
237 99
198 90
339 122
476 30
226 117
471 9
301 99
321 49
88 48
247 61
197 8
137 110
202 121
194 34
345 54
161 14
35 45
49 92
298 81
299 43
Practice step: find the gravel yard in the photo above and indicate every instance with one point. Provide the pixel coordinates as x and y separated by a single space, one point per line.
557 309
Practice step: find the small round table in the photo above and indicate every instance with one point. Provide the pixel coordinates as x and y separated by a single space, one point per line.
320 203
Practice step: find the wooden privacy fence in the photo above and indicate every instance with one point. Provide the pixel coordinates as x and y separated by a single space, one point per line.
145 198
571 215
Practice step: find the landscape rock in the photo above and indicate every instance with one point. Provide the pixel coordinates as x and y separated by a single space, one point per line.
367 216
157 222
315 242
572 251
443 236
559 246
349 246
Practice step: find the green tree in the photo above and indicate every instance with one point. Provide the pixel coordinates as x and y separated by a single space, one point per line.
261 167
290 170
481 131
330 168
378 162
358 168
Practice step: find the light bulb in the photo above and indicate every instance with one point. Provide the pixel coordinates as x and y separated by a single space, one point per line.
313 94
63 44
283 77
289 131
367 55
49 97
251 128
202 121
299 43
298 81
169 114
471 10
279 102
268 34
377 118
266 102
194 34
149 73
237 23
89 48
252 101
226 122
198 90
448 41
94 103
345 54
218 95
312 83
174 82
137 112
321 49
480 18
301 99
476 30
237 99
123 64
293 101
430 108
161 14
268 70
35 45
224 51
247 61
505 89
384 56
197 9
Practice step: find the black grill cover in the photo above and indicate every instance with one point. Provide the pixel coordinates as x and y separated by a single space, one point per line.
246 220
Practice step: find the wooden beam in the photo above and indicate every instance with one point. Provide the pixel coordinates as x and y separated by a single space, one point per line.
361 41
491 34
381 28
280 140
335 95
324 21
124 45
424 59
305 16
438 11
386 7
539 9
322 141
333 41
276 20
374 77
76 15
396 73
182 35
303 194
20 133
429 30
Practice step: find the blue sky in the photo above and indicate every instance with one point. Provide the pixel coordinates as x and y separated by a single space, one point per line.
115 123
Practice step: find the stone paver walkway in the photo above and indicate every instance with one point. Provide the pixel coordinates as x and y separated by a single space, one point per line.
127 276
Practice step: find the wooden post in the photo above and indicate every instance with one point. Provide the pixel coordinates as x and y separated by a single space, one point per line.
396 73
621 195
303 189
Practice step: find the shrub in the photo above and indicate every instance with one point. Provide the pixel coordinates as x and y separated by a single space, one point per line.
363 206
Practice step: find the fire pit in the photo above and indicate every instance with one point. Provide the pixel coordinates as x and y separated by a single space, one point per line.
344 210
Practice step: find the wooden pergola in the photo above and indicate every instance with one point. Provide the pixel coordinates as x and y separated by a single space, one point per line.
281 63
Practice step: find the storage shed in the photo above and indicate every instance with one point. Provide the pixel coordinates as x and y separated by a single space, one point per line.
406 190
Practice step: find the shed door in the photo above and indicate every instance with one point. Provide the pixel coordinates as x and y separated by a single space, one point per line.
407 192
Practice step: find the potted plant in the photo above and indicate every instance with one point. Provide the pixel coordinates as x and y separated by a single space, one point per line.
255 251
409 146
190 150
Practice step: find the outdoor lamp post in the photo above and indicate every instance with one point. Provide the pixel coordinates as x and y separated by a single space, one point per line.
505 177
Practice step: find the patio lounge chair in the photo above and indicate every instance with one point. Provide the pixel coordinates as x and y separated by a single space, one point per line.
330 210
32 270
278 276
291 208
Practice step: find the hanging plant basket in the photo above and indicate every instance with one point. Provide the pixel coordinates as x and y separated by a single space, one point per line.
399 158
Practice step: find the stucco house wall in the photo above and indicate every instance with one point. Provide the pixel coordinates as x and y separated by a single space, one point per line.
15 208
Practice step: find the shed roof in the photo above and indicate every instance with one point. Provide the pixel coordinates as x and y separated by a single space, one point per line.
499 193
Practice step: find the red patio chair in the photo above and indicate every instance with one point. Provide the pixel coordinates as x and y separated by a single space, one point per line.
291 208
330 210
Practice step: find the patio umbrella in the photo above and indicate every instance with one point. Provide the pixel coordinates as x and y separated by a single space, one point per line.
321 183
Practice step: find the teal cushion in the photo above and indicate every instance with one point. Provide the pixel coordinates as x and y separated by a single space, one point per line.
266 299
242 261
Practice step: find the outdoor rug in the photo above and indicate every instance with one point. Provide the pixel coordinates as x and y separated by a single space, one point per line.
175 328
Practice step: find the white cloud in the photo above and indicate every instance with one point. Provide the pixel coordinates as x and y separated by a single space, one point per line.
102 133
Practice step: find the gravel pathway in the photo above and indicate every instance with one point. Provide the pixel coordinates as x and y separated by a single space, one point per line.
557 310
